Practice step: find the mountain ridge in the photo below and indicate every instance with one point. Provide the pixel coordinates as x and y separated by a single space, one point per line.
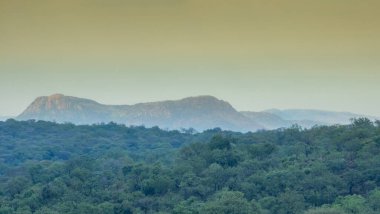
198 112
324 116
202 112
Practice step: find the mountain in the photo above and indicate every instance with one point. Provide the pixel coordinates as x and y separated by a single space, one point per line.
274 121
266 119
202 112
317 116
62 108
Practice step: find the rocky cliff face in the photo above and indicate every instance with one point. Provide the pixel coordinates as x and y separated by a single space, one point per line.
62 108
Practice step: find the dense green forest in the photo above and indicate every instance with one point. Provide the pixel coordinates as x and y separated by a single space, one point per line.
109 168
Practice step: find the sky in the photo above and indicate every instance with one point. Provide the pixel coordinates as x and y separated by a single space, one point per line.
255 54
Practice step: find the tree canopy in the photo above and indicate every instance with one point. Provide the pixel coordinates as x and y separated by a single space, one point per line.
109 168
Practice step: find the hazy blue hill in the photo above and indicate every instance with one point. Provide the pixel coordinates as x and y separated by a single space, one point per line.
268 120
316 116
274 121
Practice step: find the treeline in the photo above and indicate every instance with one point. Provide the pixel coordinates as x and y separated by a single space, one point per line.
62 168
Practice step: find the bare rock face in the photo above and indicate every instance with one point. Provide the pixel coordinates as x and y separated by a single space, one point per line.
62 108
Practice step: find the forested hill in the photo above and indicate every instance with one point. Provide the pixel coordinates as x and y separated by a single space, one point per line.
63 168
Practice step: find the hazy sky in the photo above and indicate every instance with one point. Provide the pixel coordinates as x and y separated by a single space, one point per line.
320 54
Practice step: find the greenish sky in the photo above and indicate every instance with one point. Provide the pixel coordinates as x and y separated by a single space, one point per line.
255 54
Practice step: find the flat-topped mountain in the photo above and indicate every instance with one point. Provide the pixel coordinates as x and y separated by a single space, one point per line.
200 113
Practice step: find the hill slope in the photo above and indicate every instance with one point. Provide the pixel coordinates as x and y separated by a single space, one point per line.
202 112
317 116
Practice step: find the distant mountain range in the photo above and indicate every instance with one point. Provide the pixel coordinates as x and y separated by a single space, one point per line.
200 113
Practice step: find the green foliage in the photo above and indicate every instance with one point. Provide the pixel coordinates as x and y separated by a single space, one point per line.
109 168
227 202
354 204
325 210
374 200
